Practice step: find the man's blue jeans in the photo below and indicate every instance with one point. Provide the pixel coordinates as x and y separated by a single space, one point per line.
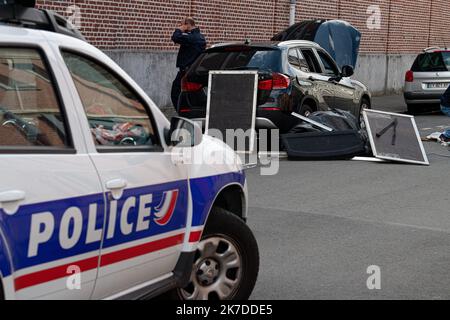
446 111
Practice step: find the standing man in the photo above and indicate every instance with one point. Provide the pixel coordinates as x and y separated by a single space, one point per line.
445 102
192 44
445 108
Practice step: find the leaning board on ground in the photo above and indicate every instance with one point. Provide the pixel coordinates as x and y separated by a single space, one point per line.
394 137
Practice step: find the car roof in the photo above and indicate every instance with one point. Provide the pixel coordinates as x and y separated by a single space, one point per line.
15 34
435 49
298 43
11 35
268 44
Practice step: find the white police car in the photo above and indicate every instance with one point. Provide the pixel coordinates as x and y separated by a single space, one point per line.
94 201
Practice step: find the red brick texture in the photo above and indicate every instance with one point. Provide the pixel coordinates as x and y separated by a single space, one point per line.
406 26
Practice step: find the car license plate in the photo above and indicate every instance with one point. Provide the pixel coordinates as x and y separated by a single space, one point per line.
438 85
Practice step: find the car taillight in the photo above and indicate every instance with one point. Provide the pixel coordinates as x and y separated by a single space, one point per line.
265 84
187 86
409 77
280 81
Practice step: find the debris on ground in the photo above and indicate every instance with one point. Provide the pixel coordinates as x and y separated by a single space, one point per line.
441 137
326 135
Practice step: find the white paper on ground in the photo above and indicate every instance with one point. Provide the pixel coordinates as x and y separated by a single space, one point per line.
435 136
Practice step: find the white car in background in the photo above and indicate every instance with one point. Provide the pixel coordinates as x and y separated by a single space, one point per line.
93 203
428 79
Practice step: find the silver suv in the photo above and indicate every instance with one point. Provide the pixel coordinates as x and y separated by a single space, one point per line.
428 79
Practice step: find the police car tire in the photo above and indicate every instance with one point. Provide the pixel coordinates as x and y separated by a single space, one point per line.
223 222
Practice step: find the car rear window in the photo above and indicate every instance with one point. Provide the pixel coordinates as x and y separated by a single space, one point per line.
433 61
235 59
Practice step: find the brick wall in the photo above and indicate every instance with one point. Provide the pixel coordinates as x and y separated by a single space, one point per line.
136 33
406 26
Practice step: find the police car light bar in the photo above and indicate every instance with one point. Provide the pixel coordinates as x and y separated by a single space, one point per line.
11 12
23 13
23 3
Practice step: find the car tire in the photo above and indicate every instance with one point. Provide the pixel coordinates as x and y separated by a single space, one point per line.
306 110
225 235
365 104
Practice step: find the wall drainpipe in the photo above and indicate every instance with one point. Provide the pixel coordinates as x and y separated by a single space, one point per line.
292 12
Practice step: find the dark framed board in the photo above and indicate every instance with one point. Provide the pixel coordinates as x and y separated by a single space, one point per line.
394 137
232 98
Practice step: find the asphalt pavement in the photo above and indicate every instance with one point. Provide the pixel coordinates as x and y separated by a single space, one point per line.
321 224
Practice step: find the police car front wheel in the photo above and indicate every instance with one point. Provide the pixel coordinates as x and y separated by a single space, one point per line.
226 262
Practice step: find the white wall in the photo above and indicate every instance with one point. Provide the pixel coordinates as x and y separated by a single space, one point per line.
383 74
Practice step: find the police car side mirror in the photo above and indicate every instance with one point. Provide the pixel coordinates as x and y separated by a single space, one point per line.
184 133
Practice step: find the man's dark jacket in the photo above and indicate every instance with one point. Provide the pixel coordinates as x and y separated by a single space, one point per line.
445 99
192 45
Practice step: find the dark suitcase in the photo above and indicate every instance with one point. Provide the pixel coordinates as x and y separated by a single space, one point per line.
333 145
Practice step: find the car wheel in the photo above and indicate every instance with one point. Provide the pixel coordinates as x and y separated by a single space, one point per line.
306 110
226 263
365 104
